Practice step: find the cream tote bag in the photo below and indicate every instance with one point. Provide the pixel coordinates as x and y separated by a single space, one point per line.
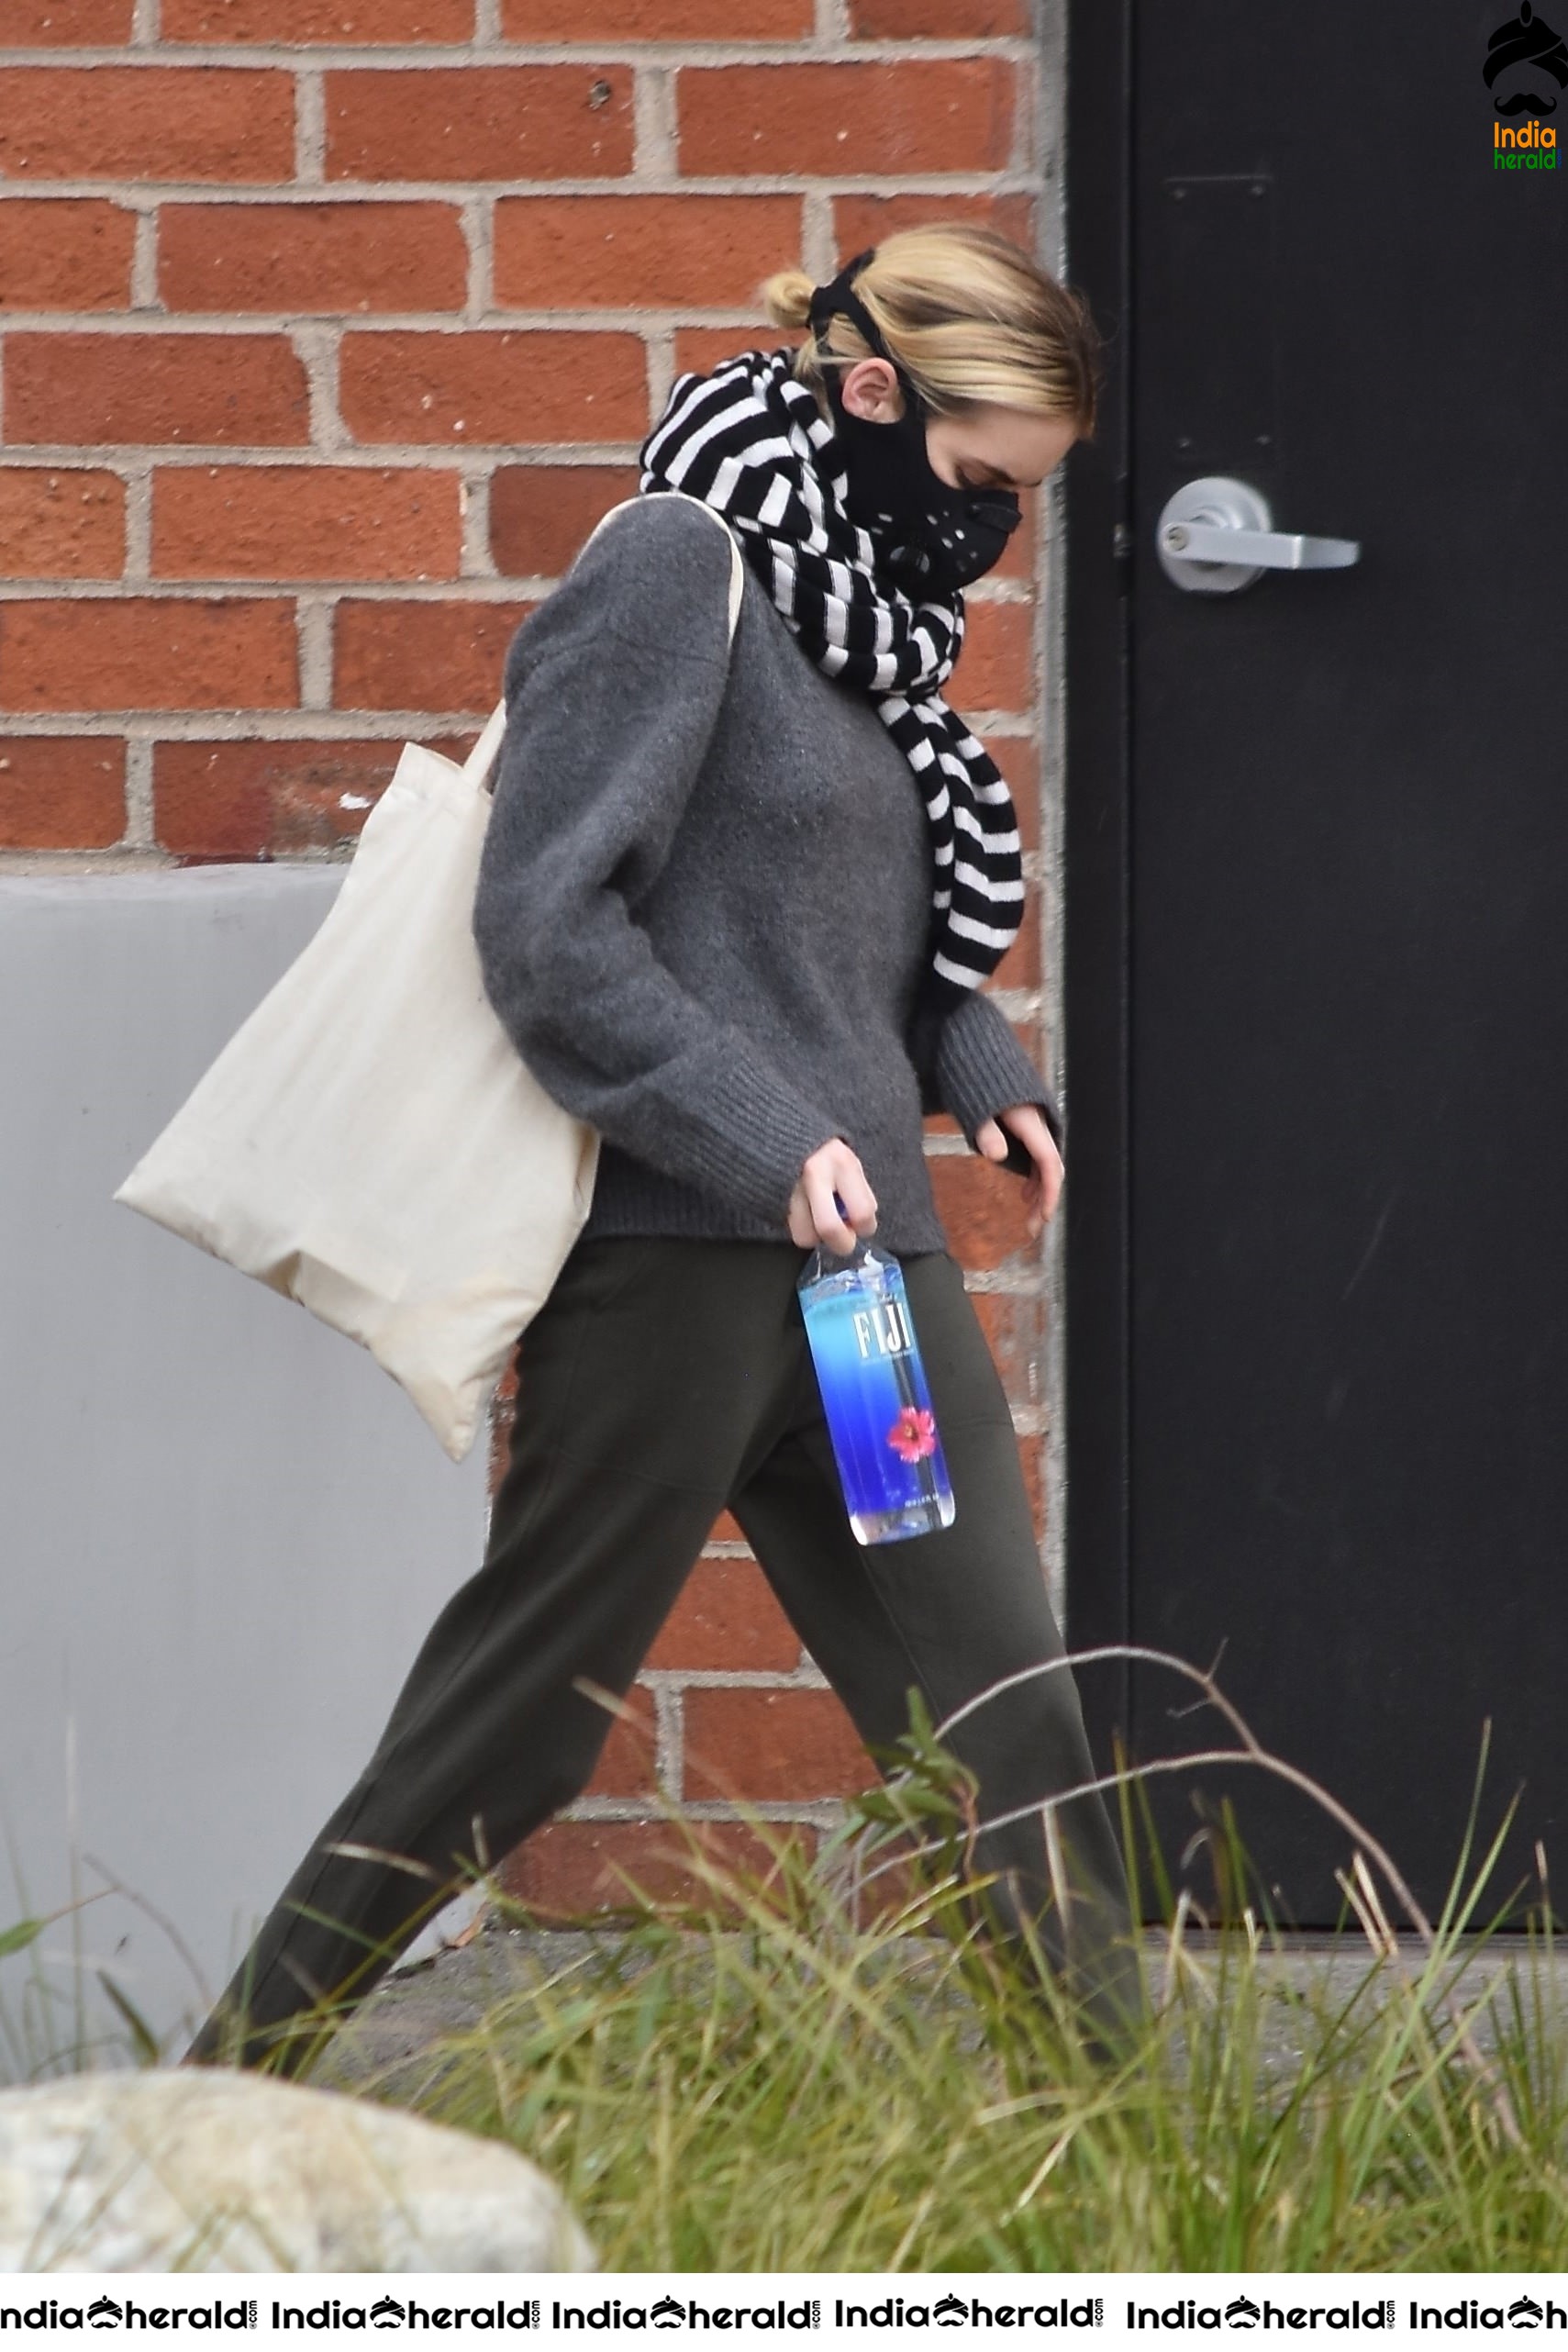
369 1142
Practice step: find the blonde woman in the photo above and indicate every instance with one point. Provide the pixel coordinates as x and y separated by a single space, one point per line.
736 908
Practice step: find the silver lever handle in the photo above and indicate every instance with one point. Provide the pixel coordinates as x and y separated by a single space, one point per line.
1272 550
1214 537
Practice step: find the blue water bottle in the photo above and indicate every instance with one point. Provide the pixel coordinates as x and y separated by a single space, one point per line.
874 1394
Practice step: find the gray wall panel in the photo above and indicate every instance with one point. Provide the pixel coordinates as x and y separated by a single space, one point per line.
224 1529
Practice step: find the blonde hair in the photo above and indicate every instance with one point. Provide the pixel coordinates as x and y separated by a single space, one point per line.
967 315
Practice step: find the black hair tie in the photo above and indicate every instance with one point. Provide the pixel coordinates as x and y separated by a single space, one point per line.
838 297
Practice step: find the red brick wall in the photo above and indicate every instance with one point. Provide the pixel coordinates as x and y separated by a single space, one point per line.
326 330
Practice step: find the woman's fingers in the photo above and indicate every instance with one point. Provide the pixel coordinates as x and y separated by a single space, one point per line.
833 1201
856 1199
802 1231
1042 1189
831 1227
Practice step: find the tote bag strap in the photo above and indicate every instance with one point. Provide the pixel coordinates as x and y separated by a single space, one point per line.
481 759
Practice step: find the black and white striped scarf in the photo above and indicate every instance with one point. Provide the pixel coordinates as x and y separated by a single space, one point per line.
751 441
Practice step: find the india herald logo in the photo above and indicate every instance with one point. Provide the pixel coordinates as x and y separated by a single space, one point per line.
1522 58
1526 43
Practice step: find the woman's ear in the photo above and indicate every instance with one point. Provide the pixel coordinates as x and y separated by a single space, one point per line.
870 390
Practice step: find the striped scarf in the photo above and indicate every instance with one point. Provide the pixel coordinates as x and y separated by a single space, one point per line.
751 441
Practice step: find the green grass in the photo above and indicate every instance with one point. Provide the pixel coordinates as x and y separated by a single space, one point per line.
776 2086
775 2082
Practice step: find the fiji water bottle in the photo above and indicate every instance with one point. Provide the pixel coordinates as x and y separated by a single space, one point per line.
874 1390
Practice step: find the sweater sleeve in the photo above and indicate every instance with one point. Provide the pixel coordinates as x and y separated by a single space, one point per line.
613 686
973 1066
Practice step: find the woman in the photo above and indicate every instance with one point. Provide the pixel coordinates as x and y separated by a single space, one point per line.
734 908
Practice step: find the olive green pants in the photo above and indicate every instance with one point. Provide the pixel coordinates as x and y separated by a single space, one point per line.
663 1380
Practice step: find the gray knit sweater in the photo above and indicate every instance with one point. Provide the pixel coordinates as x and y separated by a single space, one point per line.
705 898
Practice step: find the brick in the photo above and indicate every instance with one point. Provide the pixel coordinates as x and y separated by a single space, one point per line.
727 1618
62 526
1015 1331
65 253
938 19
305 522
1032 1463
1019 969
1018 759
862 221
626 1760
622 253
540 515
224 801
953 115
700 349
587 1869
60 791
996 670
761 1746
653 20
342 257
396 656
982 1208
316 20
146 122
480 122
504 387
503 1414
196 389
65 23
148 653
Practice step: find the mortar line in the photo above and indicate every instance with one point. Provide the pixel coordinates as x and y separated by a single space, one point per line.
714 1677
814 1812
310 125
140 829
294 724
318 346
62 865
394 57
475 558
817 256
477 218
138 569
1003 180
314 624
144 297
669 1738
660 370
654 154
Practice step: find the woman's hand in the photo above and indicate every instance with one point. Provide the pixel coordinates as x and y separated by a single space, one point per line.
1043 1189
813 1213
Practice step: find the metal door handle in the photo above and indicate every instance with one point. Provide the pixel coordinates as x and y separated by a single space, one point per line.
1215 536
1272 550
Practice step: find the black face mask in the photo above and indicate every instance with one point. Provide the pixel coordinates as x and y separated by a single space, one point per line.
933 539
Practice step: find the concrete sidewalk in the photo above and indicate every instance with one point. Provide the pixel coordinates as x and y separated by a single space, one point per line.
395 2038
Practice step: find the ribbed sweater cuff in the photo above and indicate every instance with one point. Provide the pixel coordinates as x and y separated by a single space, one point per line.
982 1069
755 1150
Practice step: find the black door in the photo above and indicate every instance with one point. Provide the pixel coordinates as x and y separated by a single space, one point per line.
1317 907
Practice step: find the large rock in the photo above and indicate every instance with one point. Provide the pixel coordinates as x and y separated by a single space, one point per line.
204 2170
